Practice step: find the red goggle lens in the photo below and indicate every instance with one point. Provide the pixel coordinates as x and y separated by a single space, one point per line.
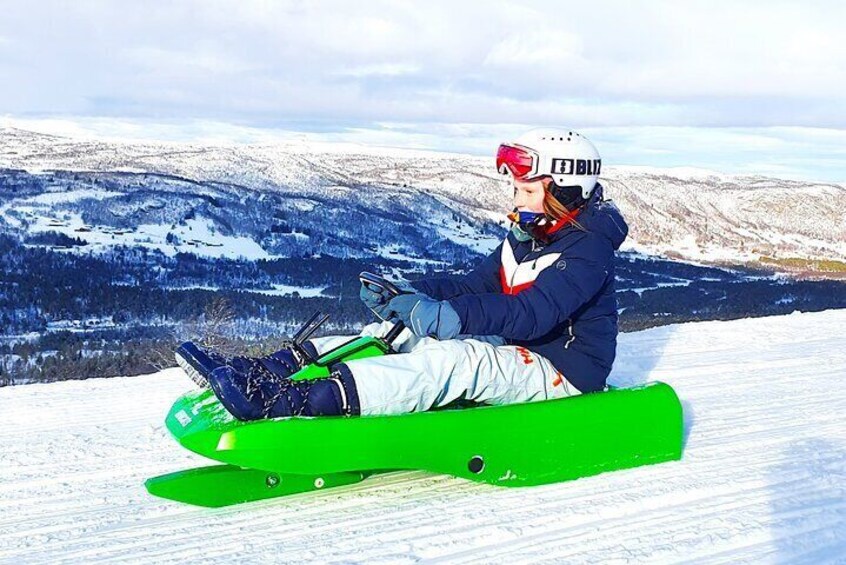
515 160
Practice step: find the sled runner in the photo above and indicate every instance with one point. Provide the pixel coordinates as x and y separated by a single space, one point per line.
514 445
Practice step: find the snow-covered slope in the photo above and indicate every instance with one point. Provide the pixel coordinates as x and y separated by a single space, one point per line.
763 477
689 213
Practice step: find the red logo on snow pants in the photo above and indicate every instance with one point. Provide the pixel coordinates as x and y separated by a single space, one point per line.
526 355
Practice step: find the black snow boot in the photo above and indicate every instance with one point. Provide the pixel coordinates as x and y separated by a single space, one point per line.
256 393
199 362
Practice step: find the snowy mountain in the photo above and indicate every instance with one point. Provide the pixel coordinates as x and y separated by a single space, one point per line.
110 252
683 213
761 478
290 201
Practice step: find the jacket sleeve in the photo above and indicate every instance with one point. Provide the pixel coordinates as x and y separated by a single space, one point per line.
559 290
483 279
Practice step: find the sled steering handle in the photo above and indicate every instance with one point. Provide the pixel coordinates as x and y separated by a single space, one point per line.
377 283
394 332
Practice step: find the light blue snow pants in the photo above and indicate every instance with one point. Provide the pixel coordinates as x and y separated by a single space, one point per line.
427 373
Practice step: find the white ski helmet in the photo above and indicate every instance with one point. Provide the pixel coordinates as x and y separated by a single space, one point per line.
565 155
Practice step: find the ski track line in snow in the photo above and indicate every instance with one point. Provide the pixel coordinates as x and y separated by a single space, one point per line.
550 534
763 477
191 543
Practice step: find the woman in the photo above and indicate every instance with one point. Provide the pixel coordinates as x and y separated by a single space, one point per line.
537 319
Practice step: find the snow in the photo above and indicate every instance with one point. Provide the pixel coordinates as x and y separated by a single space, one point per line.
393 252
763 477
287 290
678 282
469 237
199 236
275 290
31 204
196 236
80 325
686 173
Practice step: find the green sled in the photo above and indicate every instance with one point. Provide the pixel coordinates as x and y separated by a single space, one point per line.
526 444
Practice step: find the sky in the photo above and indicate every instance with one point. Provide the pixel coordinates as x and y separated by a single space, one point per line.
752 87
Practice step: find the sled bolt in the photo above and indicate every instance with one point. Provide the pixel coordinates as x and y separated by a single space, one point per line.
319 482
272 480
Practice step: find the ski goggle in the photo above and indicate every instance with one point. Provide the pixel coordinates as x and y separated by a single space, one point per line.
517 161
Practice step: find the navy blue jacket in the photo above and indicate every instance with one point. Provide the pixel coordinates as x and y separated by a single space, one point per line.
556 300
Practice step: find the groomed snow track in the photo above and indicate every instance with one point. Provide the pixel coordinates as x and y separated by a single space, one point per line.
763 477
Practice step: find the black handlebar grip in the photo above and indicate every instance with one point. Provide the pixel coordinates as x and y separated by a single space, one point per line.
377 283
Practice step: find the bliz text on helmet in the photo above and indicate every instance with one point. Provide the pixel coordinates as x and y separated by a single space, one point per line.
576 166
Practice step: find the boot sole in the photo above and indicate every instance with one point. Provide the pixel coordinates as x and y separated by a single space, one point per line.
184 362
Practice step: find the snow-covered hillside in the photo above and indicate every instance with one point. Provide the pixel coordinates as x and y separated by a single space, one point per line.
688 213
763 477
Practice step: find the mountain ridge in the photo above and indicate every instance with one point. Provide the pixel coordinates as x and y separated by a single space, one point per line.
686 213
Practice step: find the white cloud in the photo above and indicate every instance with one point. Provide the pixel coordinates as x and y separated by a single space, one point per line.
170 62
384 70
331 65
712 61
545 46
